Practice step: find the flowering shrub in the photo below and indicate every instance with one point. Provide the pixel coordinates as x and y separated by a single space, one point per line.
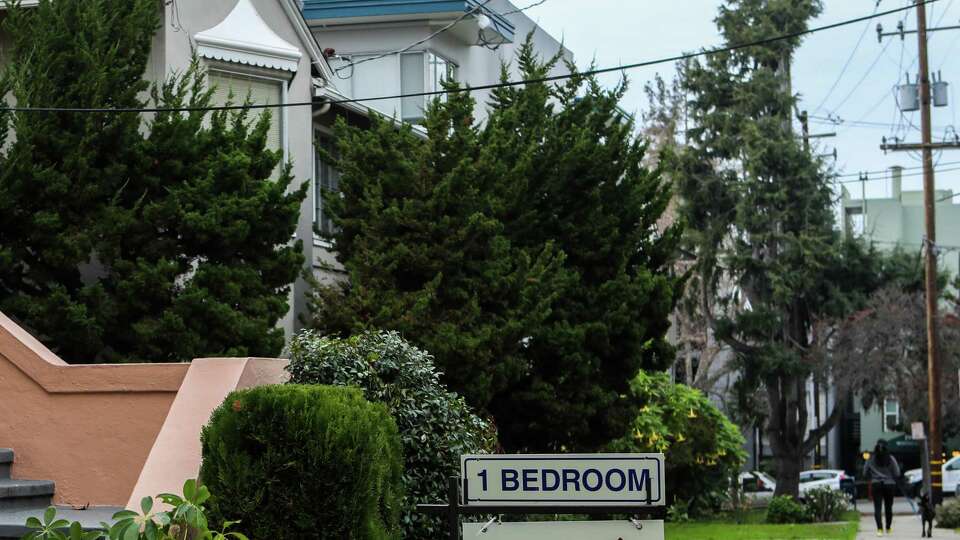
704 448
826 505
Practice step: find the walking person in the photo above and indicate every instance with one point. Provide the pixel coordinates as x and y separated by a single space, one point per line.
883 473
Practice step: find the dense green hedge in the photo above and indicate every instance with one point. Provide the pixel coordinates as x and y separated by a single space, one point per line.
436 425
304 462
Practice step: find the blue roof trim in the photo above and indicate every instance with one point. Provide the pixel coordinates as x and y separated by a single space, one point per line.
314 10
335 9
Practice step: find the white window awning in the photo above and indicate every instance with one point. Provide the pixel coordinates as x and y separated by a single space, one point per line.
244 38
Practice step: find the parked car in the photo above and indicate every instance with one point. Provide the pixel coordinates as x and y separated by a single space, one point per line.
951 478
758 486
834 479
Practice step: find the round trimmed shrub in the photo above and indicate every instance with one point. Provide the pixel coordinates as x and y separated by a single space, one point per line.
785 509
291 461
436 425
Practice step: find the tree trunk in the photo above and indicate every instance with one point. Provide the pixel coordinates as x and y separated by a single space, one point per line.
788 474
786 428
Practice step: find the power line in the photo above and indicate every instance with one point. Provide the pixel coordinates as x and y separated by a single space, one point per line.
863 124
862 78
846 64
885 171
518 10
891 177
491 86
402 50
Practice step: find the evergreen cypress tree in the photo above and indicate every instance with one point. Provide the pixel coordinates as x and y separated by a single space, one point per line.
201 262
123 239
62 171
522 253
422 238
571 173
759 208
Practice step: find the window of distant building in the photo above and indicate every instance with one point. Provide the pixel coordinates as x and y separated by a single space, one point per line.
891 415
326 180
235 88
420 72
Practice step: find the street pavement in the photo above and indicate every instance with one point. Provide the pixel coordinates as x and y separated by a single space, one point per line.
906 523
901 507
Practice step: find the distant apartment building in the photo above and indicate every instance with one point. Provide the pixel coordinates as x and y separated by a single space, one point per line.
897 220
464 40
393 47
888 223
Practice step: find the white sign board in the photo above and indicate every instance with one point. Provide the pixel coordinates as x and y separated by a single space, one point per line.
565 530
916 431
563 480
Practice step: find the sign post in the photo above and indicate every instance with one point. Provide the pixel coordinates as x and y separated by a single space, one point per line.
556 484
917 433
566 530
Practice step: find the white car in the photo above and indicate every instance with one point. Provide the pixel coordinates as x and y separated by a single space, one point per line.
951 477
758 486
834 479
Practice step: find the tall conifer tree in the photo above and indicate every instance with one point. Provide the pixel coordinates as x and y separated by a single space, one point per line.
522 252
760 214
126 238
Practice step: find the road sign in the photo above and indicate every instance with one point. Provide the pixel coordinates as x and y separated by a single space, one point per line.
916 431
563 480
565 530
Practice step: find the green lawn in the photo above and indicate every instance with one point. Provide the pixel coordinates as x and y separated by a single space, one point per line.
720 530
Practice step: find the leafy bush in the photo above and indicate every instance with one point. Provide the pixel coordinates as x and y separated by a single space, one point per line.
293 461
948 514
704 448
785 509
679 512
826 505
436 426
185 519
739 503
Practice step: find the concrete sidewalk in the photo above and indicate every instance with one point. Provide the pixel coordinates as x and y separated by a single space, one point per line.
903 527
906 523
901 507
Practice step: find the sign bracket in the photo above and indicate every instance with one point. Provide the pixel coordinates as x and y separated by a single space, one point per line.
453 509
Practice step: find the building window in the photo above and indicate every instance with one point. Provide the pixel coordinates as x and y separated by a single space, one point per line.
439 70
891 415
327 180
422 72
262 91
858 224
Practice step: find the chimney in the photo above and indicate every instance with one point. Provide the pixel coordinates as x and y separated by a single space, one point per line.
896 181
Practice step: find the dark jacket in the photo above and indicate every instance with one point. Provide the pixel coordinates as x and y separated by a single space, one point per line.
888 474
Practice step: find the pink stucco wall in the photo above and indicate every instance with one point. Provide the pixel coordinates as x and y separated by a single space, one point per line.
100 431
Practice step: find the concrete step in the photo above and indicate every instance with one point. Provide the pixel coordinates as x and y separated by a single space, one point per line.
13 523
6 463
24 494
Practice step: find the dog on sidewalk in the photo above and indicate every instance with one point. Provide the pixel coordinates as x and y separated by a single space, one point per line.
927 513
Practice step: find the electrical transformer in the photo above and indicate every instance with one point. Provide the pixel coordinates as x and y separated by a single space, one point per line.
909 97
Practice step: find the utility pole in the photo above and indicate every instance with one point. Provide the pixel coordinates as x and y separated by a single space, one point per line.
933 357
926 147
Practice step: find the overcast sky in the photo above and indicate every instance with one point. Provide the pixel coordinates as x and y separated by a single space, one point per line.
626 31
